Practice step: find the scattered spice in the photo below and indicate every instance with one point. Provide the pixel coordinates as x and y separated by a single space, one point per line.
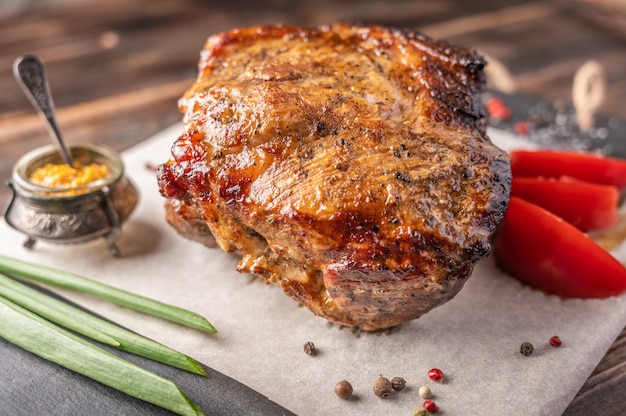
398 383
382 387
343 389
497 109
341 166
526 349
555 341
309 348
435 374
425 392
420 411
522 128
430 406
553 125
403 177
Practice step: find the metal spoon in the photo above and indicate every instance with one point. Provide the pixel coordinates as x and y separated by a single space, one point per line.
30 74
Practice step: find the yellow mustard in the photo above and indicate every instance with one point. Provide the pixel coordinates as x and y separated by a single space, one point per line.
64 176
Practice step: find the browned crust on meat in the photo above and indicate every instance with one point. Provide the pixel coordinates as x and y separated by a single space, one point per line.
348 165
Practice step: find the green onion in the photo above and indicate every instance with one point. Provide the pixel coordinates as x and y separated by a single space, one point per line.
35 334
44 309
95 328
66 280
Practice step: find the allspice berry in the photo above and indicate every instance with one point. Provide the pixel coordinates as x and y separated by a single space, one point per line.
382 387
343 389
309 348
398 383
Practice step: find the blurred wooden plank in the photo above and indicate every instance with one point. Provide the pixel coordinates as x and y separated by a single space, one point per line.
608 14
603 390
15 128
492 19
546 69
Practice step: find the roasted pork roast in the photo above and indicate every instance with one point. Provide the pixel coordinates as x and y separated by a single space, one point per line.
347 165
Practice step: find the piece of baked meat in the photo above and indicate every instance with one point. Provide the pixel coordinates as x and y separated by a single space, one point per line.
348 165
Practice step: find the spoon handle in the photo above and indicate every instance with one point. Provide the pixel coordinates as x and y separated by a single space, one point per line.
30 74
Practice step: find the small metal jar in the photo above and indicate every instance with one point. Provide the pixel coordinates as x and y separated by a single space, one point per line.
71 215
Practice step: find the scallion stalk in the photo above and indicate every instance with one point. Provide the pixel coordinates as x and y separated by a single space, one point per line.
66 280
33 333
92 327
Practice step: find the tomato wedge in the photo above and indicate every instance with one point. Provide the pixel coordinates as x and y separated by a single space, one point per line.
587 167
587 206
542 250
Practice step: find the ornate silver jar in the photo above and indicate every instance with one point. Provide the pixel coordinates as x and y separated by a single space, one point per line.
71 215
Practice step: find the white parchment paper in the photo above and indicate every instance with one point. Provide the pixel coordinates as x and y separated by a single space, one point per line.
474 339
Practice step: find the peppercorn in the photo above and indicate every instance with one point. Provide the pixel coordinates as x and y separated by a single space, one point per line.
430 406
403 177
555 341
521 127
343 389
497 109
420 411
435 374
382 387
398 383
526 349
425 392
309 348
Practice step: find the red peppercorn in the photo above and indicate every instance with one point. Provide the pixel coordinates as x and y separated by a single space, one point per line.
430 406
521 128
555 341
497 109
435 374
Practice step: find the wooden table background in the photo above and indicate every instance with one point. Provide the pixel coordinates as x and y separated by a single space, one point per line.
117 67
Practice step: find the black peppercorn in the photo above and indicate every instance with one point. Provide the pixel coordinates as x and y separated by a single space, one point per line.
526 349
309 348
398 383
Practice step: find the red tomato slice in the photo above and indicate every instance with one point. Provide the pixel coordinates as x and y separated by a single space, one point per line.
585 205
544 251
583 166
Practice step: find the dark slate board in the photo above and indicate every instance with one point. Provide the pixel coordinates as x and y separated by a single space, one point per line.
30 385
